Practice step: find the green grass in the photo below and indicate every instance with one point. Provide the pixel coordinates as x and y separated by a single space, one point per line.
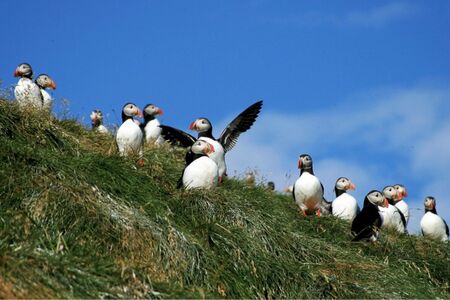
78 221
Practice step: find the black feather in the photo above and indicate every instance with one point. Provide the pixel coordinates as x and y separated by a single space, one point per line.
446 227
240 124
177 137
367 222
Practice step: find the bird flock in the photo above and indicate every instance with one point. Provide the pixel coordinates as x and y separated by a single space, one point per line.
205 165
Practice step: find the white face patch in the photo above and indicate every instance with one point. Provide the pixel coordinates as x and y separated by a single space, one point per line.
376 198
152 110
199 147
202 125
390 192
96 115
130 110
24 69
430 203
342 183
306 161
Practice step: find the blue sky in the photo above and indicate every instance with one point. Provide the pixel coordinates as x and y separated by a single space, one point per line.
362 86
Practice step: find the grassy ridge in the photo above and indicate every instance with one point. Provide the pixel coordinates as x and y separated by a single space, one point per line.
76 220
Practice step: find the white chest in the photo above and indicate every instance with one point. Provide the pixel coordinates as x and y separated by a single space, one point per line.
129 138
47 99
433 227
102 129
404 208
308 191
153 131
345 207
218 156
28 93
201 173
392 218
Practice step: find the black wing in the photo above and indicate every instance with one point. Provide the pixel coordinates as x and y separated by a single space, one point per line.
446 227
176 136
188 158
402 216
240 124
364 234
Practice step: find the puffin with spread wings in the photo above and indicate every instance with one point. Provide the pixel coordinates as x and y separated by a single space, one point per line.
224 143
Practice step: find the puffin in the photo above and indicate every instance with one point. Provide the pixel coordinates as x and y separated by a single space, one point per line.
200 170
151 128
129 136
432 225
367 223
27 92
392 217
97 121
345 205
250 178
44 81
308 190
400 203
228 138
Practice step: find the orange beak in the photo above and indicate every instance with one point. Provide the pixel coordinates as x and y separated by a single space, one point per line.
160 112
210 149
193 126
300 163
53 85
404 193
16 73
138 113
386 203
351 186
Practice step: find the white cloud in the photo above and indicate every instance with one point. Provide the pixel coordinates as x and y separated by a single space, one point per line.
379 138
375 17
380 16
432 154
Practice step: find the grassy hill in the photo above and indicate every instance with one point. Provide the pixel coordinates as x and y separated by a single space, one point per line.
77 220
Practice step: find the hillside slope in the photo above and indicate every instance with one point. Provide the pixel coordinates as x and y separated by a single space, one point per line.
78 221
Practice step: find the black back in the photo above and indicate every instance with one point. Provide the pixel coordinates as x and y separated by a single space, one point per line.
367 222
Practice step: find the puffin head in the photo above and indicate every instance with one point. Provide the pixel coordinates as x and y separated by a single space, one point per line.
377 198
23 70
96 117
401 190
44 81
430 203
131 110
202 147
305 162
200 125
344 184
391 194
152 110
